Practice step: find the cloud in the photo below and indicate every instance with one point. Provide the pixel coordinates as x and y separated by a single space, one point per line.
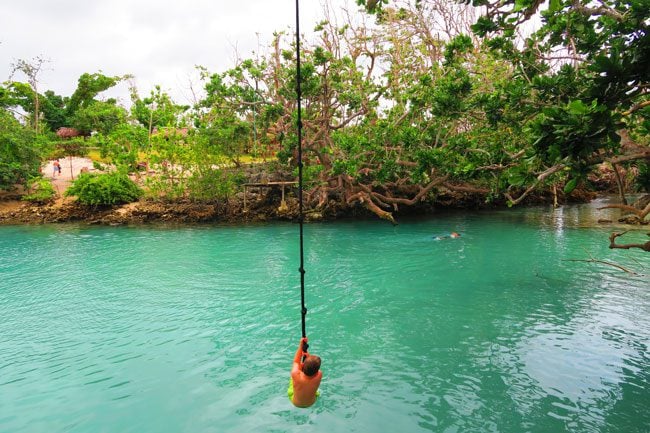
159 42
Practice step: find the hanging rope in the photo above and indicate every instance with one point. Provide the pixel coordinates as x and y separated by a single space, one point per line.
303 310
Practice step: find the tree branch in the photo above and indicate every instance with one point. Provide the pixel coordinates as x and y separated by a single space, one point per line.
604 263
612 243
539 179
636 107
640 213
601 10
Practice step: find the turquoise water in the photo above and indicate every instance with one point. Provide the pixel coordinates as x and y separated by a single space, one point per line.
194 329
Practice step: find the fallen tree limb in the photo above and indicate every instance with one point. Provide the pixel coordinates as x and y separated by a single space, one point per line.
612 243
365 199
418 196
640 213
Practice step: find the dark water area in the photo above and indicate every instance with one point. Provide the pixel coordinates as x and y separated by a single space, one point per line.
193 329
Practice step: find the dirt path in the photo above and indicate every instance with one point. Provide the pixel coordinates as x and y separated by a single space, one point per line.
70 169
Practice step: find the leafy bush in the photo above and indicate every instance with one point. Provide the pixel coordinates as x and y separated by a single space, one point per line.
642 181
19 152
40 191
104 189
214 184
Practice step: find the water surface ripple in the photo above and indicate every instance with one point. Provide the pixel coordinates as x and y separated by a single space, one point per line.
193 329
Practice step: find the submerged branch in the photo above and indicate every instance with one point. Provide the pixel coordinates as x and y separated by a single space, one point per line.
617 266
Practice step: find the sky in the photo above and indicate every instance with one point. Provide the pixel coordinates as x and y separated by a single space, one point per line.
159 42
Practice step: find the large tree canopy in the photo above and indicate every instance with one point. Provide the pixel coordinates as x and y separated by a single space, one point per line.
578 90
426 100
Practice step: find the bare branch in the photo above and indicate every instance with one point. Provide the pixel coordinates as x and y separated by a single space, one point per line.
612 243
601 10
539 179
636 107
604 263
640 213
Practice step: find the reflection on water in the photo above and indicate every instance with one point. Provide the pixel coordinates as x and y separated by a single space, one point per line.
156 330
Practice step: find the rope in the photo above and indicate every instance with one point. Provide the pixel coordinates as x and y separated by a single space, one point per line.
303 310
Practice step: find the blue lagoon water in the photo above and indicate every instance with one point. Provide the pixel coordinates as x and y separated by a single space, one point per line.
193 329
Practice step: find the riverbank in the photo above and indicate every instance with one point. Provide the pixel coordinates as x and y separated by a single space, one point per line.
267 195
254 205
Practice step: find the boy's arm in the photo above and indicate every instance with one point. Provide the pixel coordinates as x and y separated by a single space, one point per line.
299 353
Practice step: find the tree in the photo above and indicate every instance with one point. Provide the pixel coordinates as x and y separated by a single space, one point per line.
31 69
392 115
20 153
88 87
53 109
158 110
584 79
240 101
98 116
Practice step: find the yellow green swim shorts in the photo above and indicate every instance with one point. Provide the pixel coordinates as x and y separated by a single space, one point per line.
290 391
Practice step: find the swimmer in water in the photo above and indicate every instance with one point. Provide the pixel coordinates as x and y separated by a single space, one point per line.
305 377
453 235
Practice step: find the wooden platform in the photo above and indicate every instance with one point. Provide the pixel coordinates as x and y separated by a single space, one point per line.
282 184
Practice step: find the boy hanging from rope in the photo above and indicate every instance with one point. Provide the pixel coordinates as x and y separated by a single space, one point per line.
305 377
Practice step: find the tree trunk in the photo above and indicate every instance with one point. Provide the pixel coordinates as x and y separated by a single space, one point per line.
619 184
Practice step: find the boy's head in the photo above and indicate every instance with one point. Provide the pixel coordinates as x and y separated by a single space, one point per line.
311 365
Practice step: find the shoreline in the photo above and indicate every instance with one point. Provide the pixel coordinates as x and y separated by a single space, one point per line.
259 208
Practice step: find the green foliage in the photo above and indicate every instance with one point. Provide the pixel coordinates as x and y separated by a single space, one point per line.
455 48
574 132
88 87
171 153
214 184
40 191
76 147
156 111
226 135
98 116
374 5
310 173
642 181
53 109
104 189
496 112
570 185
19 152
21 95
122 146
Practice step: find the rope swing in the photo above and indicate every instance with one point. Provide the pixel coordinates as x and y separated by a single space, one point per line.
303 310
305 372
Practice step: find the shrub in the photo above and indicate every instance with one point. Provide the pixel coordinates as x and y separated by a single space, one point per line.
104 189
19 152
40 191
642 181
214 184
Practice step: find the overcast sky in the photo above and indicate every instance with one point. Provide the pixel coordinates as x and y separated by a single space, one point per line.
157 41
